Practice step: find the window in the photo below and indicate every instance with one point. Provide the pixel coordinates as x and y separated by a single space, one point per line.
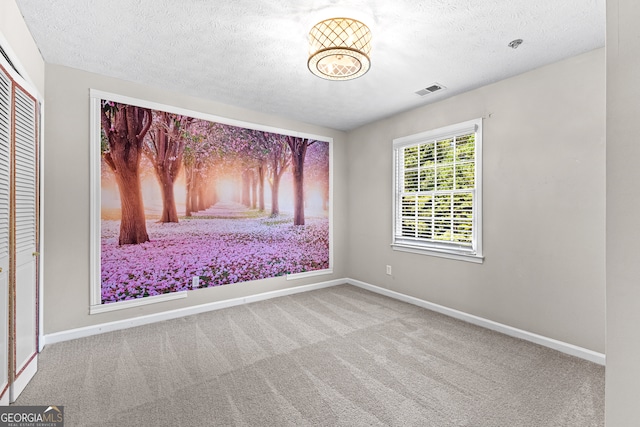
437 192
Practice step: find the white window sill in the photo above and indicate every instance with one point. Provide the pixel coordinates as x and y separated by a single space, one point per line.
442 253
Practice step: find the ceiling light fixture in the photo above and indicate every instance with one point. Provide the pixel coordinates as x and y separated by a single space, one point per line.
339 49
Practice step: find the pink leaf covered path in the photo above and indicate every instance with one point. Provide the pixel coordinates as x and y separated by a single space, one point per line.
225 244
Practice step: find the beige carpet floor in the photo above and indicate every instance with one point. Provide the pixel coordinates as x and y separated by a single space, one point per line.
339 356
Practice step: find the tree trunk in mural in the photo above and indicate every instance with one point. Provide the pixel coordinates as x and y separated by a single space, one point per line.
246 188
125 127
275 189
298 148
166 174
261 170
164 149
325 198
202 189
212 193
206 193
169 211
195 191
188 178
254 190
279 163
193 200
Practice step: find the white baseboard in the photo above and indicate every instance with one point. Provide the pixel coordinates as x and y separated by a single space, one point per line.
181 312
563 347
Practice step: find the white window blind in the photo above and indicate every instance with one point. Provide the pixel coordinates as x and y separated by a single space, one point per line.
437 192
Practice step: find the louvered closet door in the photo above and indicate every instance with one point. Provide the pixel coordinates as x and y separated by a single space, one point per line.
25 197
5 151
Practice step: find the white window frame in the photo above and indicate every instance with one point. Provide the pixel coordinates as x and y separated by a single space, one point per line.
425 246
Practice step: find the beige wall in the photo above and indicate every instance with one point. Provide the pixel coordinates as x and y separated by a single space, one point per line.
623 207
544 204
20 43
66 198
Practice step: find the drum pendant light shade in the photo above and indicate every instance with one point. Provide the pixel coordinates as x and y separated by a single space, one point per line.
339 49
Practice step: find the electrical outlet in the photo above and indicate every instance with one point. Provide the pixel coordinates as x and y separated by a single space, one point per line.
389 270
195 282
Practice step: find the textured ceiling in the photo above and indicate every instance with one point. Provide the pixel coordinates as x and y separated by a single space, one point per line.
253 54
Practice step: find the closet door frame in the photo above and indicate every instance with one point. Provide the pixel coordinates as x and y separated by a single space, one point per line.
19 376
24 251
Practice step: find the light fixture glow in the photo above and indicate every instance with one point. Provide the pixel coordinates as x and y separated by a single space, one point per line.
339 49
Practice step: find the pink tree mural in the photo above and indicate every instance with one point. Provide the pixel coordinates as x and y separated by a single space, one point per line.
201 199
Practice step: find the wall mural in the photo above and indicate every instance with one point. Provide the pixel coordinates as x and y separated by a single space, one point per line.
189 203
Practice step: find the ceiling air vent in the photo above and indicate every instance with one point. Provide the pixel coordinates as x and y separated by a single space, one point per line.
433 88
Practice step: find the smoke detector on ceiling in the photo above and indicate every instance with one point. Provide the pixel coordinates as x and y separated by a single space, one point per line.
433 88
514 44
